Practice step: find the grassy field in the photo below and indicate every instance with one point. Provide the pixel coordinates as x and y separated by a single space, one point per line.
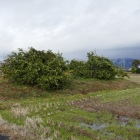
87 109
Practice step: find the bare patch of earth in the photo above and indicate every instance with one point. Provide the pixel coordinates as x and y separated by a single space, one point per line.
134 77
122 108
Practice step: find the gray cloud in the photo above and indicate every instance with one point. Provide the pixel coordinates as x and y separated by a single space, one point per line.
68 25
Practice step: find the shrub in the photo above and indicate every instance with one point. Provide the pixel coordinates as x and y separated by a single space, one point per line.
44 69
133 70
101 67
135 63
138 70
96 67
121 73
79 68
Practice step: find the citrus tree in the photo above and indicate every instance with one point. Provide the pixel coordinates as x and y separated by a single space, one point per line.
79 68
96 67
33 67
101 67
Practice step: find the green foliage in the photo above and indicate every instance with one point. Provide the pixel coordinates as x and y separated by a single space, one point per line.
49 70
133 70
96 67
121 73
138 70
135 63
101 67
79 68
44 69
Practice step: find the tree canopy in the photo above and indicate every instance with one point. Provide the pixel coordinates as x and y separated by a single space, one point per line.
42 68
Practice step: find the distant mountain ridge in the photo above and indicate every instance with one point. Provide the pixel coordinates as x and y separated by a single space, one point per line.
125 63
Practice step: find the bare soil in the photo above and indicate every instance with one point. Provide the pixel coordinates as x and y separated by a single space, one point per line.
122 108
134 77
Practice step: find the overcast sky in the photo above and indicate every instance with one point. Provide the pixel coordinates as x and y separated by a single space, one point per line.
69 26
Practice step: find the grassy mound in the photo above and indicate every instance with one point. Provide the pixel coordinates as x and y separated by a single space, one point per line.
10 90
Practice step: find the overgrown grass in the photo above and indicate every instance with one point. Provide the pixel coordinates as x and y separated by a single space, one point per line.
74 115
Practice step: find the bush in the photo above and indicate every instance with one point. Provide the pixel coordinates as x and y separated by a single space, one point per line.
121 73
79 68
101 67
44 69
96 67
133 70
138 70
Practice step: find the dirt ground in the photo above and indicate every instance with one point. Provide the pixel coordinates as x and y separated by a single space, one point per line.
134 77
122 108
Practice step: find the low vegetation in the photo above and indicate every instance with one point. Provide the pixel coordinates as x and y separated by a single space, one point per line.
90 109
10 90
